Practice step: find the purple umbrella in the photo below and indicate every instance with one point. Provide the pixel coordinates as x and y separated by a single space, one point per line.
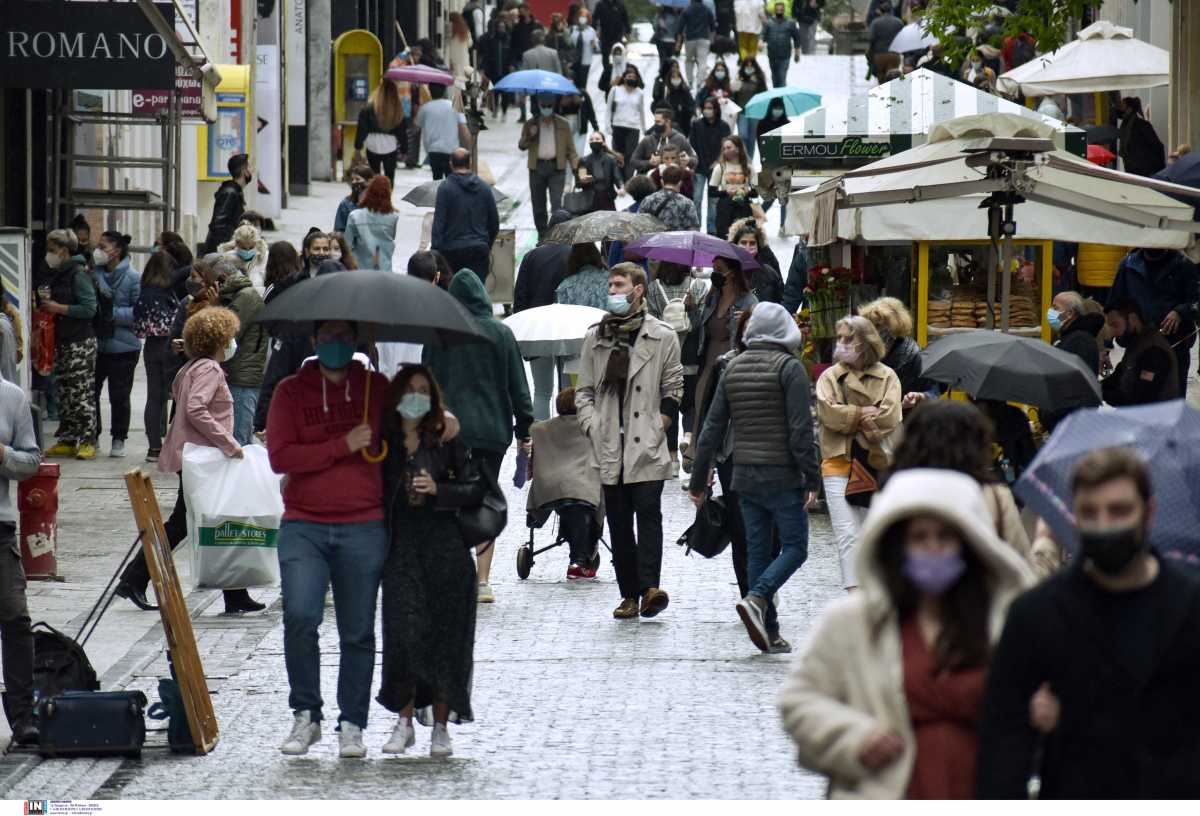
419 73
689 248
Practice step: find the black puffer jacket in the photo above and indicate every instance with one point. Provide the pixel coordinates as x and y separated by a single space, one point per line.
905 359
228 206
1079 338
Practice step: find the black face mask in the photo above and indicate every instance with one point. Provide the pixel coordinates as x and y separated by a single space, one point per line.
658 129
631 83
356 190
1112 549
193 287
718 279
597 148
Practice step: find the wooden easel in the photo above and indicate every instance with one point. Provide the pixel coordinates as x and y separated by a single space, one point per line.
176 621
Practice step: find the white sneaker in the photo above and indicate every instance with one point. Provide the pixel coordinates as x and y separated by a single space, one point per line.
350 741
441 747
304 733
118 449
485 594
403 737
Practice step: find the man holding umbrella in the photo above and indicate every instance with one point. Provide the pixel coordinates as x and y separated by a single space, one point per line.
547 140
465 219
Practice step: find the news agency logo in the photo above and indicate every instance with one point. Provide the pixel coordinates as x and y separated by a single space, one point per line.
36 807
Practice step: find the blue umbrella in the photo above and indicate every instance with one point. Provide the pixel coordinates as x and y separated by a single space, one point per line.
1167 434
536 81
675 4
795 102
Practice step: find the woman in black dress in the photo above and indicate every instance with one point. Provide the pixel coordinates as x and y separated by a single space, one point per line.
429 577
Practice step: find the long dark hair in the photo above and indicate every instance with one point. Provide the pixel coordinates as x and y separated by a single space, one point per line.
583 255
432 424
964 608
282 263
673 274
736 276
158 271
950 435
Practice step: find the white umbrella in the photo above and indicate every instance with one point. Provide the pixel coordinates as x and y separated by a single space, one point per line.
1103 57
556 330
912 37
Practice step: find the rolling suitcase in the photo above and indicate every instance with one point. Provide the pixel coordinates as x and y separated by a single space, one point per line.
92 723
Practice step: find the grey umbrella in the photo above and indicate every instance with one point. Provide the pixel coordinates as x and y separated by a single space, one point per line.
425 195
604 225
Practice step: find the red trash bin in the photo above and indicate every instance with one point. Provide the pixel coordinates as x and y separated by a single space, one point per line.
37 499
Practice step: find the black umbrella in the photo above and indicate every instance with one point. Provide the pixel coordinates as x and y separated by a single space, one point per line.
995 366
425 195
387 307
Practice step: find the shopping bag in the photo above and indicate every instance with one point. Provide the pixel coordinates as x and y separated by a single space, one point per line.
42 339
234 508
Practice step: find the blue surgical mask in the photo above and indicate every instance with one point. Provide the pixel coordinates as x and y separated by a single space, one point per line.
618 304
247 255
1054 318
335 354
547 110
414 406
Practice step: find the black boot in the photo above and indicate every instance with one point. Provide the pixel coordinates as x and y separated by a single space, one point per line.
129 592
239 600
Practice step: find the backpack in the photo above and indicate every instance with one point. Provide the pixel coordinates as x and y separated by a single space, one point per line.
59 663
675 312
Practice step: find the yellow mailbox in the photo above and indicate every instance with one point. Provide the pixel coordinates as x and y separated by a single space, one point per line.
357 71
230 134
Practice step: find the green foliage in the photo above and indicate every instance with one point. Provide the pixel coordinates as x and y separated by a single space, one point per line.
640 10
1048 21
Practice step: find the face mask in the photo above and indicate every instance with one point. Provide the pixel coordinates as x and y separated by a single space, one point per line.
99 257
747 72
709 113
53 260
414 406
336 354
618 304
193 287
583 21
247 255
335 255
1054 318
631 83
1111 549
779 15
597 148
658 129
676 82
719 74
546 111
934 572
231 349
356 190
752 250
845 353
976 63
776 113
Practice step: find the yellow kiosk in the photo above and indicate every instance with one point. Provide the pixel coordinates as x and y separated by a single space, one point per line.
357 71
232 131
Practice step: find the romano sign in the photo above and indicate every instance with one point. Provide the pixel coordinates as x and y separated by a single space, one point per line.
62 44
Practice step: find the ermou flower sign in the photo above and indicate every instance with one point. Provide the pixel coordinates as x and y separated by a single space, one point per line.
65 44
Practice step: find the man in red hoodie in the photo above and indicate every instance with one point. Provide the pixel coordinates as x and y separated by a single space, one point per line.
333 529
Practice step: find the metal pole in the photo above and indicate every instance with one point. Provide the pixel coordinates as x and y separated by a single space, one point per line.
29 159
1006 280
993 259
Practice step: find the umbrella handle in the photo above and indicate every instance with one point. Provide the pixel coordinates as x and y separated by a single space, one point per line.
373 458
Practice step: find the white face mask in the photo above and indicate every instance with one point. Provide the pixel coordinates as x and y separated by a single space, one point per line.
335 255
53 260
99 257
231 349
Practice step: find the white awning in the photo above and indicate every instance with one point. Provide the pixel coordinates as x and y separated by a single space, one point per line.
1103 57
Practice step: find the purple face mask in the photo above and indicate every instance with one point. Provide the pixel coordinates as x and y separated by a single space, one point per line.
934 572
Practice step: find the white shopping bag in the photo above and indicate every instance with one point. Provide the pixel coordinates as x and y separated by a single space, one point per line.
234 508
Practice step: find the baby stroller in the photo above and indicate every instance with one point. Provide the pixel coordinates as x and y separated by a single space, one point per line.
565 482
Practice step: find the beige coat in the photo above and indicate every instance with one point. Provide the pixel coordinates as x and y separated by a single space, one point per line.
1006 518
654 375
564 144
850 681
839 407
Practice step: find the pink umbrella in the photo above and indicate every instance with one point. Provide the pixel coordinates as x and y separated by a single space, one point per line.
419 73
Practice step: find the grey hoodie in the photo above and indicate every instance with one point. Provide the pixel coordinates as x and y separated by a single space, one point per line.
771 323
21 453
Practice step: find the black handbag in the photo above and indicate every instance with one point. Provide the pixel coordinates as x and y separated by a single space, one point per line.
579 202
708 534
485 521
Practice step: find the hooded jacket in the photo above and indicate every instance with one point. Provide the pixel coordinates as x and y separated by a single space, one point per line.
850 681
483 383
245 368
123 285
1170 284
1079 338
465 215
306 441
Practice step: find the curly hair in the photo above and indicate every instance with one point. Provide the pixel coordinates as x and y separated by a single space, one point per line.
888 313
949 435
208 331
378 195
747 226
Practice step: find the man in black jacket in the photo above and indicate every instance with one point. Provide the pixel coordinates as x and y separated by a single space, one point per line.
764 393
542 270
807 14
465 219
1149 371
1102 657
229 202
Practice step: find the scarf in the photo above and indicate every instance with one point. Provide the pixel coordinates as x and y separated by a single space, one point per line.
621 330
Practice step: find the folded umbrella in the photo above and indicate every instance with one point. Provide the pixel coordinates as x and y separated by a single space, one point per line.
1167 434
386 306
604 225
425 194
556 330
689 248
419 73
795 102
995 366
535 81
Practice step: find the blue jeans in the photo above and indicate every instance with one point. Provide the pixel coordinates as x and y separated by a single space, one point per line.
786 511
543 369
310 555
701 184
779 71
245 402
746 128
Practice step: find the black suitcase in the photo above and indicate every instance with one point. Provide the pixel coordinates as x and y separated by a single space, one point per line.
92 723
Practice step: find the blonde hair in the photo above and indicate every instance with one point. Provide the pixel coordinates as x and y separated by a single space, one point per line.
64 238
389 110
208 331
863 331
888 313
247 232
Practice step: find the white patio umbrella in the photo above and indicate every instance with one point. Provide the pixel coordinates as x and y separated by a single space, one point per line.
911 38
1103 57
556 330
